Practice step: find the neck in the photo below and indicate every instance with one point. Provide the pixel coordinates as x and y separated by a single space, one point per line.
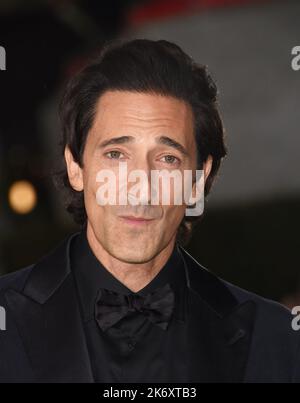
134 276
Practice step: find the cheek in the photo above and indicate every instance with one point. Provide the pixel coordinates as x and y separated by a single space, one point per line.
94 211
90 183
90 198
173 216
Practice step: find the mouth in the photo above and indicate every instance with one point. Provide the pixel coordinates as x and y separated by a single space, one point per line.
132 220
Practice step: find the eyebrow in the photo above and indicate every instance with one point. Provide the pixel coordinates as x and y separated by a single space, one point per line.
116 140
172 143
160 140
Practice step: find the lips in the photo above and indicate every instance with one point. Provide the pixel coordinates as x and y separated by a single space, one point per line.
130 217
136 220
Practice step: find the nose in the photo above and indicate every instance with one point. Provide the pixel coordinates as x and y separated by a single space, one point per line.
139 182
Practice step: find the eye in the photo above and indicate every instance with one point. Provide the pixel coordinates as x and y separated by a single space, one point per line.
170 159
114 154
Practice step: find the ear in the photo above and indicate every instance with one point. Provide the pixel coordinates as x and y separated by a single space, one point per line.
74 171
207 166
206 171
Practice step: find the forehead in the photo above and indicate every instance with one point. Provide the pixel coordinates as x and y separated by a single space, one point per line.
135 111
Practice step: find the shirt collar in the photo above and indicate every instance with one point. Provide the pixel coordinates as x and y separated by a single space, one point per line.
91 275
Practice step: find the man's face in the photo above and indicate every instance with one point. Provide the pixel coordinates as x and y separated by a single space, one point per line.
133 127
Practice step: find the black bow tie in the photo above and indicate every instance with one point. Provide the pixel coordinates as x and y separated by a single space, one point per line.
111 306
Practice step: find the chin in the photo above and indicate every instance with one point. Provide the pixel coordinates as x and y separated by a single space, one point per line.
132 253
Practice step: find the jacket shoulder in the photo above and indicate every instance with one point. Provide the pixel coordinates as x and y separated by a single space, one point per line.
272 318
274 338
263 304
15 279
274 322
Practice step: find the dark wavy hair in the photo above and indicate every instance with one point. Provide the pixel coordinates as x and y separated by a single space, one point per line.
146 66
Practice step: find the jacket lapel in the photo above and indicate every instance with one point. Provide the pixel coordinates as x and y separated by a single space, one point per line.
48 319
219 328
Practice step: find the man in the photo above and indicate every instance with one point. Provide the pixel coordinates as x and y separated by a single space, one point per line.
122 300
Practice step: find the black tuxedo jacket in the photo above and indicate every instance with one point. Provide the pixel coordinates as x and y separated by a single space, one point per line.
234 335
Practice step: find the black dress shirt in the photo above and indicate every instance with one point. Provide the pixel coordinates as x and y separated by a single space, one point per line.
134 349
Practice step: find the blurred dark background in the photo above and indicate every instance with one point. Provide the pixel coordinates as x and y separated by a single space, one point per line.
250 231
